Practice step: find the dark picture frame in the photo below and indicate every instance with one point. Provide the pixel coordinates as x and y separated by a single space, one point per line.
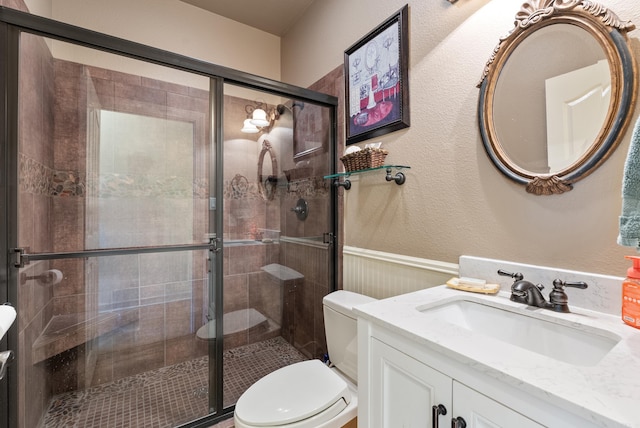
376 80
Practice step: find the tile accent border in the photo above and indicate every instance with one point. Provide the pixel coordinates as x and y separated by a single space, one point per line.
38 179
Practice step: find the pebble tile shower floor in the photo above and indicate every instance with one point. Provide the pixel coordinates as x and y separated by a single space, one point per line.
169 396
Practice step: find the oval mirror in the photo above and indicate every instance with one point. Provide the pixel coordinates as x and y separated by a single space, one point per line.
267 180
557 93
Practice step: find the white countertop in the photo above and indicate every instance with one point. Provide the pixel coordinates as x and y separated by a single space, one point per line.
607 393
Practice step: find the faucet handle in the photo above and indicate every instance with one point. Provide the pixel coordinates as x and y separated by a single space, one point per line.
558 284
558 298
516 276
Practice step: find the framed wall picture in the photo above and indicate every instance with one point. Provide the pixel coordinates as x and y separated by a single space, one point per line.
376 80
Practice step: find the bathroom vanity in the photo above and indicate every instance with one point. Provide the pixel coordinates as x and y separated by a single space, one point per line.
452 358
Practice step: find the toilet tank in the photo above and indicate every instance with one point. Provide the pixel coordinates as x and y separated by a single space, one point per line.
340 327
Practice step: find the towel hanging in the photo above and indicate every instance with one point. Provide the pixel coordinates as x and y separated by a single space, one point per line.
629 235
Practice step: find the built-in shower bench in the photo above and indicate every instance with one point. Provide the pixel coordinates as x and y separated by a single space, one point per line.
64 332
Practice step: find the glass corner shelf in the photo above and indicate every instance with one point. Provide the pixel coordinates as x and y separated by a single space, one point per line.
399 177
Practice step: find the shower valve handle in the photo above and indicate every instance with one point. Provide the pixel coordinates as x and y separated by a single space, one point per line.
301 209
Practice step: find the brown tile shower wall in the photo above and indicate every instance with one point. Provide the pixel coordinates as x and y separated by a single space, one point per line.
35 205
304 299
52 203
246 216
333 84
246 213
164 332
305 325
247 286
294 304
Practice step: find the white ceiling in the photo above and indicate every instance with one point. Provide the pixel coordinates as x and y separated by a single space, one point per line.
273 16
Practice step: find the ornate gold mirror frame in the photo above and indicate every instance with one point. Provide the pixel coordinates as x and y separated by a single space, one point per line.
610 32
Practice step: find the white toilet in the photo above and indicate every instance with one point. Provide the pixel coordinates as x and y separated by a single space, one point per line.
310 394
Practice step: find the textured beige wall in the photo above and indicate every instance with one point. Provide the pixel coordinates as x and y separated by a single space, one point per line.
455 201
174 26
39 7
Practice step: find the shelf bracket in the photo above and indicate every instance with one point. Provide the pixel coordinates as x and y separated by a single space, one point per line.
346 183
399 178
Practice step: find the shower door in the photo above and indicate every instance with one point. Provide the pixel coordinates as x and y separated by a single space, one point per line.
116 240
279 221
122 231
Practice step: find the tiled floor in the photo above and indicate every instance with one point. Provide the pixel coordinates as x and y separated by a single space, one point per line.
169 396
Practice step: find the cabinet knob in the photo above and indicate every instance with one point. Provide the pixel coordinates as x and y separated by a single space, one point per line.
436 411
458 422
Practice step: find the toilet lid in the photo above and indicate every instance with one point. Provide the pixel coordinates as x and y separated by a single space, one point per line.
291 394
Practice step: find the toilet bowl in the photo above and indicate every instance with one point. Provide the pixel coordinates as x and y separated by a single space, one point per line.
310 394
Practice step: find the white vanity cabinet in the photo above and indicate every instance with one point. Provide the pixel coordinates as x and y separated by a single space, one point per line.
404 392
495 362
480 411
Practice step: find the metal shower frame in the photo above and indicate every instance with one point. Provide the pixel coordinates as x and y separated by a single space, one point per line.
12 24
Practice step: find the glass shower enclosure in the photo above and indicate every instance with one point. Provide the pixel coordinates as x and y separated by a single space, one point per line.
161 258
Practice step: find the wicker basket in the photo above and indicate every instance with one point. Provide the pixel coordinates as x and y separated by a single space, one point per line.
363 159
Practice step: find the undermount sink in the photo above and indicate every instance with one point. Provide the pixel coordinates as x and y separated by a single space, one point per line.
558 341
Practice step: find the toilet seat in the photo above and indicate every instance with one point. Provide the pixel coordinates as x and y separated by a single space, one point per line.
301 395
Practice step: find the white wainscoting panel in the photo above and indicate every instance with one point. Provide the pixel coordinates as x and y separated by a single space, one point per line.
381 275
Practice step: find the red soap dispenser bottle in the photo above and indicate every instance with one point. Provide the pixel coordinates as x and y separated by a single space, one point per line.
631 294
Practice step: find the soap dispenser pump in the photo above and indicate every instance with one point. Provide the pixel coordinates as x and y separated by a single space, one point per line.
631 294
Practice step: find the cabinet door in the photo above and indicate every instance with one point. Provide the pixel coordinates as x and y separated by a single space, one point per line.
403 390
480 411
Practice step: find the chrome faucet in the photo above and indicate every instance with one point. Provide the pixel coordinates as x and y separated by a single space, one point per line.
530 294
